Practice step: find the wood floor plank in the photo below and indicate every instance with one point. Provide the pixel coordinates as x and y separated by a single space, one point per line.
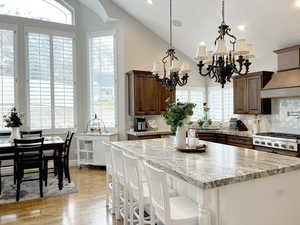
87 207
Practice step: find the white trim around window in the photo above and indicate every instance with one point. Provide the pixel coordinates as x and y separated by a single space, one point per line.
114 33
51 33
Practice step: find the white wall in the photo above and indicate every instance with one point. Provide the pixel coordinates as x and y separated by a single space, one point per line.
138 48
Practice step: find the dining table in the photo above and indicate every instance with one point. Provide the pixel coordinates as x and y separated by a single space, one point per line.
7 146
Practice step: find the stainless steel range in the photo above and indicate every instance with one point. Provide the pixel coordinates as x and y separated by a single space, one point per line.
282 141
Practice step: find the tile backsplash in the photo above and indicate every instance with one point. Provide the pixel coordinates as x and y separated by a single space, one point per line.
279 120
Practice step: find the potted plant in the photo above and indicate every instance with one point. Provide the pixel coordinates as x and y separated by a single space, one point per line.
13 120
178 117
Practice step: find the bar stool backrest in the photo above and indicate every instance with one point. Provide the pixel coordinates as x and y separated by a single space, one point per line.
118 163
133 176
157 181
108 156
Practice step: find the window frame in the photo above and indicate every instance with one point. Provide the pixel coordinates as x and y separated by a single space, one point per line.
13 27
63 3
51 33
189 90
229 86
114 33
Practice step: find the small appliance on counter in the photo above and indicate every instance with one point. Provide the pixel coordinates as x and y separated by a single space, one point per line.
140 124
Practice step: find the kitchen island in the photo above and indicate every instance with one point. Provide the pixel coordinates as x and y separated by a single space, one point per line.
232 185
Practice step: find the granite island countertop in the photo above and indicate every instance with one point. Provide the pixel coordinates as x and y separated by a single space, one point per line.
220 165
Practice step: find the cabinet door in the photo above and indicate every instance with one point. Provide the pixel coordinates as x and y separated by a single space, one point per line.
164 94
253 94
146 95
240 98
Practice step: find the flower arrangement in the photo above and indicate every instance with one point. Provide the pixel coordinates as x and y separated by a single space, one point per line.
176 113
13 119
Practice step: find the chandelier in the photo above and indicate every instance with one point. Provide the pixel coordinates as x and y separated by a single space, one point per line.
172 74
223 63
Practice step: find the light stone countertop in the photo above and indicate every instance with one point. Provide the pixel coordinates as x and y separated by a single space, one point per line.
150 132
228 132
220 165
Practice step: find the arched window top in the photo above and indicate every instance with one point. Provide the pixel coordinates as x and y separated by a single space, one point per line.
47 10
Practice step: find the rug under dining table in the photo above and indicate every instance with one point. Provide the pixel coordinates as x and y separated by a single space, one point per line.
30 190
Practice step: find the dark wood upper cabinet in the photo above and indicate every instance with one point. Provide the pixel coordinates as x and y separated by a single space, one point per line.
164 94
247 99
240 100
146 96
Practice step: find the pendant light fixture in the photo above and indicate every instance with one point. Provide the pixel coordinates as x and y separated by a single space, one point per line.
223 63
172 74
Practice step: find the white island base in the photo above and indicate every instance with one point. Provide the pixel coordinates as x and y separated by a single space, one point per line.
273 200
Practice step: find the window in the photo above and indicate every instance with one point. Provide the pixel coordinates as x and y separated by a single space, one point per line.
7 73
50 60
220 102
193 95
102 76
47 10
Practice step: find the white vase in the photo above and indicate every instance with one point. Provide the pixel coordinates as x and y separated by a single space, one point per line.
15 133
181 137
181 133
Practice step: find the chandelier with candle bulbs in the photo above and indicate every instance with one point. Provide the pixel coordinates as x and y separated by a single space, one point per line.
172 74
223 63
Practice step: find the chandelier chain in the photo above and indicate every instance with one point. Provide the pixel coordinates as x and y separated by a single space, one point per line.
171 27
223 11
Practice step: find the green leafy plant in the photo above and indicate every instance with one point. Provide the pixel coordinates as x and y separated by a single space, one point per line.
13 119
177 112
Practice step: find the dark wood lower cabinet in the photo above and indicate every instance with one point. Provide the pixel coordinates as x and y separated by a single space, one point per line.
133 137
242 142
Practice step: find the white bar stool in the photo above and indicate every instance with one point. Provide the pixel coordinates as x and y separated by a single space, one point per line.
110 202
138 191
168 210
120 186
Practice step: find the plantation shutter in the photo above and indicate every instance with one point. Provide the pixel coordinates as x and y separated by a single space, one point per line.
197 97
63 81
39 80
7 73
215 103
102 73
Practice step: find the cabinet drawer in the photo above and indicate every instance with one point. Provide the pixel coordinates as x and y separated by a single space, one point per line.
207 137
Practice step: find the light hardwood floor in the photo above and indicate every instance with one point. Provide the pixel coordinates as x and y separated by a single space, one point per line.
87 207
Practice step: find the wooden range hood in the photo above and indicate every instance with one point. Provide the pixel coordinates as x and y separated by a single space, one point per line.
286 82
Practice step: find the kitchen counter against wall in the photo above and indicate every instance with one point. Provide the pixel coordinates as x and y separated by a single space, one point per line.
149 133
227 132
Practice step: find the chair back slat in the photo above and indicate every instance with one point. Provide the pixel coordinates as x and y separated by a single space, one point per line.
5 134
68 142
33 145
31 133
157 181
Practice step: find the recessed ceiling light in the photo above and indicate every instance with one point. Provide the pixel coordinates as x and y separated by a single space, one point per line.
150 2
177 23
297 3
241 27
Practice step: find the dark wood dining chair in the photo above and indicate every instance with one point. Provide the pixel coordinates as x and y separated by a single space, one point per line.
5 157
67 148
31 133
47 158
28 155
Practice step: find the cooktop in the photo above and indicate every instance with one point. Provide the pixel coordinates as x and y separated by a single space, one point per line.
279 135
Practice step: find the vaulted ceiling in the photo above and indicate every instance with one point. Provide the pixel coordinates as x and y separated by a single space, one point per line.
269 24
